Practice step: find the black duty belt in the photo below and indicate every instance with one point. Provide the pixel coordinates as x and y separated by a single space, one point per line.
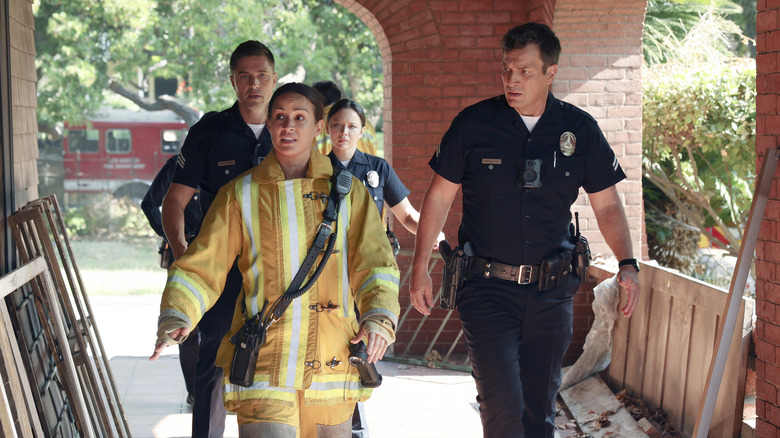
523 274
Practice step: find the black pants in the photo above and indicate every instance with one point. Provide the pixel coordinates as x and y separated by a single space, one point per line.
516 337
208 411
359 426
188 358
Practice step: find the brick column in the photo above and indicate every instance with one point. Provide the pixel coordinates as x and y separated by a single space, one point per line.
767 333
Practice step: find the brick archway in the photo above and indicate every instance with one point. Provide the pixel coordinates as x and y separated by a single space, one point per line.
440 56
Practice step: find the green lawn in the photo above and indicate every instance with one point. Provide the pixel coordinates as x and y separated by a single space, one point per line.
119 267
132 253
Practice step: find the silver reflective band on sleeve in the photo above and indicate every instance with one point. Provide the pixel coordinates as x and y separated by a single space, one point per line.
379 276
195 292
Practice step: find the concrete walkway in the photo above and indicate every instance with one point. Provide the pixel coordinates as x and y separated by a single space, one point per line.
412 401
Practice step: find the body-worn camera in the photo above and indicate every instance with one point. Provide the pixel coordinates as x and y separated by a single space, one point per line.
358 357
530 173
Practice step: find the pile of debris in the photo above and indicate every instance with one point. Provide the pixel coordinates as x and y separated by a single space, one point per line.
655 419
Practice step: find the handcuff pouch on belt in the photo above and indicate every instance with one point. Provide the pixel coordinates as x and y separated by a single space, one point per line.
555 270
253 333
455 270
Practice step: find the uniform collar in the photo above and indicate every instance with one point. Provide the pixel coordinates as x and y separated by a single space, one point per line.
358 158
269 171
507 114
235 121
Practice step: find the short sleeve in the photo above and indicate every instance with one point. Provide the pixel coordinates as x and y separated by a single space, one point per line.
449 160
191 166
394 190
603 169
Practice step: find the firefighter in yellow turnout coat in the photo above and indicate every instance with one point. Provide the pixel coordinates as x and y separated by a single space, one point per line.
269 221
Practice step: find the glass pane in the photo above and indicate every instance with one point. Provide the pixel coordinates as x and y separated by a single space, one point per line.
83 140
118 141
172 140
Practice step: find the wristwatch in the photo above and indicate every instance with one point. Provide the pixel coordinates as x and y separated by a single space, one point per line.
629 262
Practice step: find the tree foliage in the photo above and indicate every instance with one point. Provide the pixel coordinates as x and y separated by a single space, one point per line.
89 50
687 29
699 141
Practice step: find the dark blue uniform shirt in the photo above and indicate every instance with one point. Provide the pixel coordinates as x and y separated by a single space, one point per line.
485 150
217 149
385 187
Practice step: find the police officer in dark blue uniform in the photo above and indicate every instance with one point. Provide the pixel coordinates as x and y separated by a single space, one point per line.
346 121
520 160
217 149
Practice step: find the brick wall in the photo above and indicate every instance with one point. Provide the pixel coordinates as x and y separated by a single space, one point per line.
440 56
24 102
767 333
600 71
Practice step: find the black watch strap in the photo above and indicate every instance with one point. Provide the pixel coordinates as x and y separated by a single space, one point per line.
629 262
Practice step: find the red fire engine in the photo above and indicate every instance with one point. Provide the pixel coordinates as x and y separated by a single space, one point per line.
119 151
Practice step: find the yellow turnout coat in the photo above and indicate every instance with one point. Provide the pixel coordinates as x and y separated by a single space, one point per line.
269 223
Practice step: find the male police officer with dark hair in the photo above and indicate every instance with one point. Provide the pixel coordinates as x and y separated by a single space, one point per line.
520 159
217 149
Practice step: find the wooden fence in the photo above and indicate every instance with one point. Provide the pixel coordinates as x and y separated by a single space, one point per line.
662 354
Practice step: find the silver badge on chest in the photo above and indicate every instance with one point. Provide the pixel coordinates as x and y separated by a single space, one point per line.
372 178
568 143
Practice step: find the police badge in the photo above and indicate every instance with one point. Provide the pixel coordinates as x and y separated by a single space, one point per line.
568 143
372 178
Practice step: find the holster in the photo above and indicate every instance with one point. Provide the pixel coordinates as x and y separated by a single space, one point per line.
581 258
455 270
166 254
554 270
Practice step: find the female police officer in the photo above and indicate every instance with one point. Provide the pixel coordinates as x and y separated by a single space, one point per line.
268 217
346 122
